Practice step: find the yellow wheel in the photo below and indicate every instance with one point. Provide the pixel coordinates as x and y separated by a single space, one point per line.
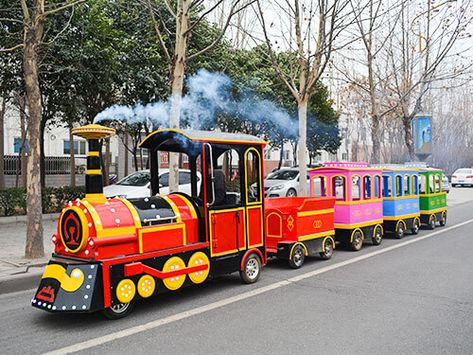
198 259
146 286
126 291
174 264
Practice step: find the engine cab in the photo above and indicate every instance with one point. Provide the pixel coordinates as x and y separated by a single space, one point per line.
229 205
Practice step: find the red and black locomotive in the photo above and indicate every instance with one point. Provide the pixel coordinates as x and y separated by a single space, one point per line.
110 252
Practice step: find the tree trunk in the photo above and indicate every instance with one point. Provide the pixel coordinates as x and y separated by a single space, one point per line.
135 158
23 152
376 139
408 138
302 150
2 142
72 158
33 34
126 155
42 166
177 83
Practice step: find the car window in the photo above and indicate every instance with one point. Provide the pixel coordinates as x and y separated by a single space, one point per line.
283 175
164 179
184 178
140 178
463 171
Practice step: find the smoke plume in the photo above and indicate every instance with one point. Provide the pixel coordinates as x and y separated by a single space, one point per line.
208 94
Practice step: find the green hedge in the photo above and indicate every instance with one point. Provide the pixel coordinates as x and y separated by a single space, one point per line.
13 200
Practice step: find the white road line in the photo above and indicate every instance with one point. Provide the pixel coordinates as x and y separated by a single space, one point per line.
209 307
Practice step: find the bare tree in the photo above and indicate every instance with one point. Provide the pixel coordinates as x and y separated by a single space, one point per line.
187 14
34 13
424 50
310 29
373 30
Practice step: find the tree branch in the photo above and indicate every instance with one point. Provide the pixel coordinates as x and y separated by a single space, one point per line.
222 31
11 49
158 32
63 7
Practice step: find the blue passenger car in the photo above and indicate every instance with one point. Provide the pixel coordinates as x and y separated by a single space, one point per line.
401 200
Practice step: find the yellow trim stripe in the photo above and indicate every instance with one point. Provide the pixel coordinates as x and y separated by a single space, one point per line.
202 139
434 194
358 225
189 204
174 208
132 209
113 232
316 235
93 153
433 211
93 171
259 177
314 213
358 201
395 218
96 198
400 197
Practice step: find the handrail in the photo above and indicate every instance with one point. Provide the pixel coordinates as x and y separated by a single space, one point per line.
212 177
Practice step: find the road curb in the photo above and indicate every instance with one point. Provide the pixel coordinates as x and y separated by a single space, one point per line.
20 282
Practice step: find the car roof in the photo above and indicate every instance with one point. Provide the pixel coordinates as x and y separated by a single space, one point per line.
161 171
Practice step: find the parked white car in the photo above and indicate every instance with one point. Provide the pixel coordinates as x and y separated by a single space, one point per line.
462 177
138 184
283 182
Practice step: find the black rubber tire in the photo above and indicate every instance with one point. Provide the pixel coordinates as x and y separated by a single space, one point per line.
327 249
443 219
251 269
118 313
291 193
377 235
415 226
297 258
400 230
432 222
357 241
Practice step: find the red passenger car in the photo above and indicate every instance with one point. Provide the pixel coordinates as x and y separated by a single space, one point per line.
297 227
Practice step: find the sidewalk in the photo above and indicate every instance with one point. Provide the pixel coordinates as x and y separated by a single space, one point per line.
16 272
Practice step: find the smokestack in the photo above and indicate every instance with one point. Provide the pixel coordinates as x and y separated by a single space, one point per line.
93 178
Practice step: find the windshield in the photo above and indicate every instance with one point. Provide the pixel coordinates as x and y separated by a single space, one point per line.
283 175
140 178
463 171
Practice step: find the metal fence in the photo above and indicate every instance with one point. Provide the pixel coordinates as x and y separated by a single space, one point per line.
52 165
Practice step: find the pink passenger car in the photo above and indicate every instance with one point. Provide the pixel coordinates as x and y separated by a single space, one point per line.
359 203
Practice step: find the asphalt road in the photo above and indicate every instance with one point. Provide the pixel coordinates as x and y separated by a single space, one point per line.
408 296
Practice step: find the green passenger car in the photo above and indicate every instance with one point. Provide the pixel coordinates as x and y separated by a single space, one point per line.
433 201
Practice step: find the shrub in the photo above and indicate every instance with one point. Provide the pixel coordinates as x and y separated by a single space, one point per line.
13 200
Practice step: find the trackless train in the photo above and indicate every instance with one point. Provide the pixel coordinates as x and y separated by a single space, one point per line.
111 252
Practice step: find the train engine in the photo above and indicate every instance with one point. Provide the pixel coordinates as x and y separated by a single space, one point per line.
92 268
111 252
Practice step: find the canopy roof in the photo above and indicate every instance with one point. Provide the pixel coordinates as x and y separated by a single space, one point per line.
186 140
